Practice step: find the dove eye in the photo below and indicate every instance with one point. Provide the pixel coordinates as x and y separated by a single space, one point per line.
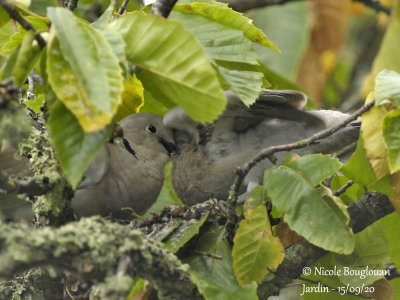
152 129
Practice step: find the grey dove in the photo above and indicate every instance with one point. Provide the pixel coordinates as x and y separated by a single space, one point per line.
127 175
209 155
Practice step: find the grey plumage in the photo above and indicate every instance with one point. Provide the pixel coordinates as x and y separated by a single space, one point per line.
127 174
210 155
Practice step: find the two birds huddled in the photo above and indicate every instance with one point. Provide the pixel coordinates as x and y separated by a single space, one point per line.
127 175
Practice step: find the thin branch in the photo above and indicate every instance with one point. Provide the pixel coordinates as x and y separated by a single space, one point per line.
343 188
30 186
363 213
242 6
12 11
123 7
72 4
163 7
375 5
269 153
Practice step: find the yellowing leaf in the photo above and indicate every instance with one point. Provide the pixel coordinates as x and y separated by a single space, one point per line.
255 249
132 98
83 71
230 18
374 143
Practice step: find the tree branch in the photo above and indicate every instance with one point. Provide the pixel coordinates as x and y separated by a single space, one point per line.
72 4
12 11
163 7
375 5
243 6
364 212
97 243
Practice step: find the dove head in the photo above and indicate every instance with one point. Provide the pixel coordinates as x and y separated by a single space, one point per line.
145 136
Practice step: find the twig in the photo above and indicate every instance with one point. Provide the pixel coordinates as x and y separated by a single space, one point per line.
163 7
30 186
72 4
270 151
212 255
363 213
343 188
375 5
333 288
123 7
242 6
12 11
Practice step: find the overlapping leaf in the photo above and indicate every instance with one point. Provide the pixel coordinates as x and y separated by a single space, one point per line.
255 249
232 53
391 129
173 64
315 167
387 87
215 278
75 148
174 244
308 211
229 18
83 71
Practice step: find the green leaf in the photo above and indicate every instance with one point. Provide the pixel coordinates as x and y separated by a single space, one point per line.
371 249
154 106
132 98
13 43
314 167
229 18
6 31
215 278
391 225
36 103
232 53
4 17
358 168
219 41
116 42
40 6
387 86
27 57
387 57
391 129
83 71
255 249
173 64
75 149
105 18
7 68
174 244
294 22
246 85
309 212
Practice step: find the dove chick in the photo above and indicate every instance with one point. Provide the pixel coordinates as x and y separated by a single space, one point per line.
209 157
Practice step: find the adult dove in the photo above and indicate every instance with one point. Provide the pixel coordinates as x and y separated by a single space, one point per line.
127 175
209 155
